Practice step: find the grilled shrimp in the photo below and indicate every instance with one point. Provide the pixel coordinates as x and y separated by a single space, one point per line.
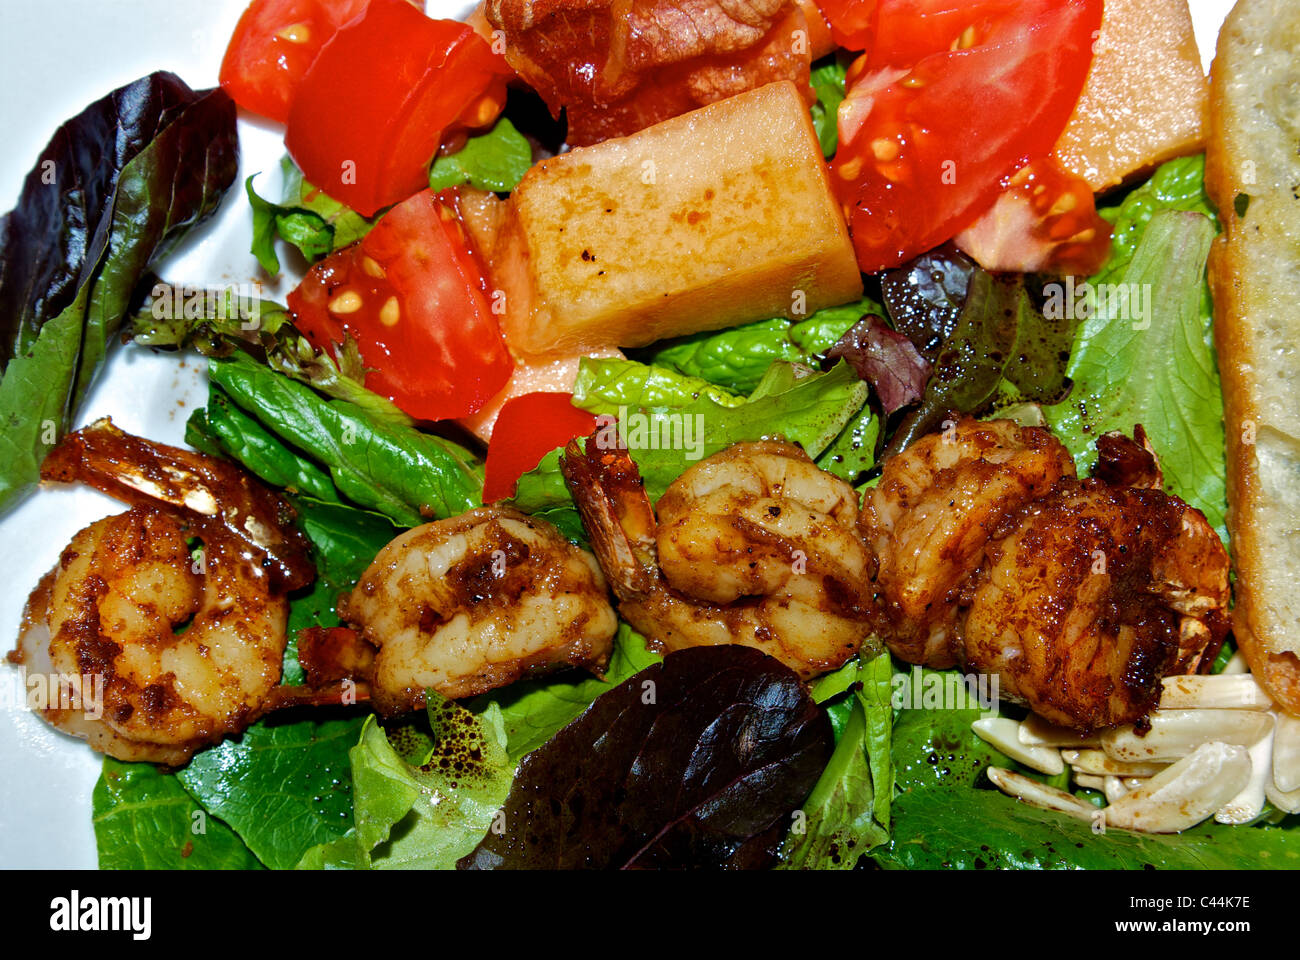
475 602
931 515
1097 594
1079 595
160 650
754 546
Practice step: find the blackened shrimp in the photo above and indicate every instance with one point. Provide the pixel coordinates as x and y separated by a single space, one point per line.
162 629
1097 594
475 602
754 546
1079 595
931 515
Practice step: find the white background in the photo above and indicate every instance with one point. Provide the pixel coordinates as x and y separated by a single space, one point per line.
56 56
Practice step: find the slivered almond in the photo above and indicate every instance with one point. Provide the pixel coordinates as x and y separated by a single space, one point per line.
1096 763
1040 794
1176 733
1186 793
1286 753
1289 802
1003 733
1114 789
1249 802
1036 732
1230 692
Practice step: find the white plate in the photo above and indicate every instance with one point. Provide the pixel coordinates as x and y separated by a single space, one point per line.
56 56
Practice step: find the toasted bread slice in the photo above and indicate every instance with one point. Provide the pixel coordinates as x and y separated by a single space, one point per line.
1253 176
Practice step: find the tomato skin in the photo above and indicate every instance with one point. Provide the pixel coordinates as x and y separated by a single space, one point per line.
273 44
528 428
852 22
925 148
371 110
410 293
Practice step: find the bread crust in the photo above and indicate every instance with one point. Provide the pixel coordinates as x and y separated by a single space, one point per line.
1253 177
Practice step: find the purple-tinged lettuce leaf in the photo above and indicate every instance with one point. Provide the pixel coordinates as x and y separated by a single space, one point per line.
698 761
885 359
116 188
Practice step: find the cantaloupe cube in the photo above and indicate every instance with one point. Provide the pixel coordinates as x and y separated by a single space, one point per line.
711 219
1145 97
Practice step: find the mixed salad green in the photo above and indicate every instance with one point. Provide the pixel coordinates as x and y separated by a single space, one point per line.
903 787
872 780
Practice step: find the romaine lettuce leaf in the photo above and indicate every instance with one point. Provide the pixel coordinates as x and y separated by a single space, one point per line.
222 429
408 475
397 787
144 820
847 813
282 787
422 798
606 386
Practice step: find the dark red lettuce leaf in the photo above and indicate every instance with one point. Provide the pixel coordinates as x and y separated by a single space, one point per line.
924 298
695 762
116 188
885 359
57 230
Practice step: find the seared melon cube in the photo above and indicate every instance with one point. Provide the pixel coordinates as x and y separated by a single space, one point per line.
1145 96
711 219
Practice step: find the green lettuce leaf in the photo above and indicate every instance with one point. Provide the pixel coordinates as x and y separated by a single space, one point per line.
221 427
847 813
282 787
223 323
853 452
738 358
1154 365
827 80
946 816
145 820
811 409
495 160
408 475
306 217
422 799
408 812
345 541
608 386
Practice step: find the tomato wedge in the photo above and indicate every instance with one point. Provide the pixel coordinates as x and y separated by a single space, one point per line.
926 147
528 428
372 109
410 294
1045 221
273 44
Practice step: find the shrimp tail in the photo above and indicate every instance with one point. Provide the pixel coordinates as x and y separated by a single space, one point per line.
217 496
616 512
1124 461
